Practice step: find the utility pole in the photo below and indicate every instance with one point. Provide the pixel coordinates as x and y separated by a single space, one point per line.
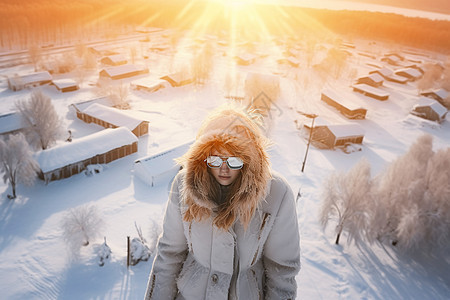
313 117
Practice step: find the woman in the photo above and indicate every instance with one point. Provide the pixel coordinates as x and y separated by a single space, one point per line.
230 229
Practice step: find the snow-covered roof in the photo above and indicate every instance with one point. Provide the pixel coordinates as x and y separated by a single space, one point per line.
84 148
112 115
151 167
106 101
442 93
64 83
375 77
346 130
386 72
31 78
150 83
410 71
116 58
246 56
10 122
345 98
122 69
371 90
436 106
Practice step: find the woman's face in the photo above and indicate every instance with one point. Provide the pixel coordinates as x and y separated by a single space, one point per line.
224 175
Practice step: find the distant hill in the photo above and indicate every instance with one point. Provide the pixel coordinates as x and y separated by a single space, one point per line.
438 6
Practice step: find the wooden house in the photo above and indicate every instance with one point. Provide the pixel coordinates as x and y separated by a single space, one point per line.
429 109
371 91
65 85
346 103
412 74
114 60
439 95
389 75
178 79
109 117
65 160
122 72
292 61
245 59
19 82
331 136
149 84
375 80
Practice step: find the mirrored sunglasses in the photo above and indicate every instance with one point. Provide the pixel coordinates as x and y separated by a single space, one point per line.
234 163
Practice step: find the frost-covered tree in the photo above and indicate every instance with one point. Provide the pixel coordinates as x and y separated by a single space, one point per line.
345 196
35 54
80 225
202 64
119 95
42 122
425 221
17 162
397 188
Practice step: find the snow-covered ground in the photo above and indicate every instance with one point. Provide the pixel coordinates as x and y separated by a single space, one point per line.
35 262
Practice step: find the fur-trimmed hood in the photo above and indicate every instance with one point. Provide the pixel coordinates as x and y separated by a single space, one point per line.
236 131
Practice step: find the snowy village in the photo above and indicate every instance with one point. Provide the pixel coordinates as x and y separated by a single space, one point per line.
95 110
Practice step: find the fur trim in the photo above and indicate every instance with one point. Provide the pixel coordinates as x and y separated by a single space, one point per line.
236 132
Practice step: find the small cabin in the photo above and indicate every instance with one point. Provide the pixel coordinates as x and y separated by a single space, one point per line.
114 60
346 103
149 84
331 136
371 91
70 158
122 72
65 85
389 75
109 117
412 74
19 82
440 95
178 79
375 80
430 109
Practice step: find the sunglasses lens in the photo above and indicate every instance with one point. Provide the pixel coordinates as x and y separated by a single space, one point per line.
214 161
235 162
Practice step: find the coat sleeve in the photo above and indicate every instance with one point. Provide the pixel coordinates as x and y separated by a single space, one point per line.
171 251
281 254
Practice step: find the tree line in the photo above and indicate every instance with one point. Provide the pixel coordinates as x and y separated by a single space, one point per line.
43 22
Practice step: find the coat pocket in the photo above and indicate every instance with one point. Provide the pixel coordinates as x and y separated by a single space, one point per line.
192 279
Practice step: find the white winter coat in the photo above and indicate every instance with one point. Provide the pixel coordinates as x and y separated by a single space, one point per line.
196 260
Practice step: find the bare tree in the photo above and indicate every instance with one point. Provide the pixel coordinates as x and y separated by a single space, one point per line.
345 196
80 225
35 54
431 76
42 122
17 162
119 95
